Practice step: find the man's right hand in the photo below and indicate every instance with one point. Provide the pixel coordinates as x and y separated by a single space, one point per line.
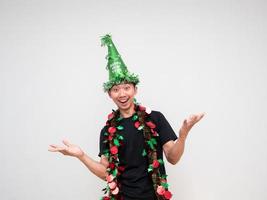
68 150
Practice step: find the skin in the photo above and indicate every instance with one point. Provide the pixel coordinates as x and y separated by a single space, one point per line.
123 96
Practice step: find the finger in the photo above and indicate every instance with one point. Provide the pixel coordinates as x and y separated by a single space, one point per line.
52 149
66 142
191 118
56 146
53 145
200 116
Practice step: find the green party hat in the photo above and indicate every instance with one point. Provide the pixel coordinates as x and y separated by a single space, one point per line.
118 72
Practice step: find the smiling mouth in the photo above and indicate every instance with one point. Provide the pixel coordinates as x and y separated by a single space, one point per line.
124 101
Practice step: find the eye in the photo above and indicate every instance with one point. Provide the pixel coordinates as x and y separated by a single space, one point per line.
127 87
115 89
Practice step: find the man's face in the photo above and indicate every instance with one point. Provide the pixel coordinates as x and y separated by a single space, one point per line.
123 95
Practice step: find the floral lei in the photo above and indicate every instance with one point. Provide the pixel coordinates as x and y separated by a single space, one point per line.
143 122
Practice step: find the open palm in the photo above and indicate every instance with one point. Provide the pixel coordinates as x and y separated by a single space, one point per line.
189 123
68 150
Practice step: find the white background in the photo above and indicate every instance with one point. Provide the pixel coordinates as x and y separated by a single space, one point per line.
191 56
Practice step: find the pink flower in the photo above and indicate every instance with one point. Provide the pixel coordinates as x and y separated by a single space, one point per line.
110 178
112 185
114 150
168 195
110 116
142 108
160 190
115 191
137 124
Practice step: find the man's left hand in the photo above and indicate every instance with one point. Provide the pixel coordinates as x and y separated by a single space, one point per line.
189 123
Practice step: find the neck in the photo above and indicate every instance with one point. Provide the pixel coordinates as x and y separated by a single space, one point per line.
127 112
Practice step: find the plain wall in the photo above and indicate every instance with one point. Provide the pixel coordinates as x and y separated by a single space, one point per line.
191 56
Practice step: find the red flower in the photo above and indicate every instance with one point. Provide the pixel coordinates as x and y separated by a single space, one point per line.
114 150
151 124
168 195
154 133
155 163
112 130
106 198
111 115
142 108
137 124
121 168
110 137
111 165
161 190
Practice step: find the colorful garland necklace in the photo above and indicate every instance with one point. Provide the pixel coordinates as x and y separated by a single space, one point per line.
143 122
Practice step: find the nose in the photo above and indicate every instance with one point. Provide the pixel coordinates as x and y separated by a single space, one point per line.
121 93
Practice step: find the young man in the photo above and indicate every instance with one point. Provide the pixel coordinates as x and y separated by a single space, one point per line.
133 140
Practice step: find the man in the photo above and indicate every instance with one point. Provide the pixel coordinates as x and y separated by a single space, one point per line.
133 140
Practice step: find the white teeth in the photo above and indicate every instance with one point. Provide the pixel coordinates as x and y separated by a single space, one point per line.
123 101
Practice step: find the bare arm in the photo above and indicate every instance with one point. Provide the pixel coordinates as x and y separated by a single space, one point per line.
97 168
174 150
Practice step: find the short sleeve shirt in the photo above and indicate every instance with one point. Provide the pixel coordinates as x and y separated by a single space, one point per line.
135 180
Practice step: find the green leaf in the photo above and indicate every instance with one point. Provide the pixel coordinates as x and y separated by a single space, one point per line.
105 133
164 176
160 161
144 152
120 128
116 142
115 172
135 117
106 151
150 144
153 140
120 118
150 168
165 185
120 137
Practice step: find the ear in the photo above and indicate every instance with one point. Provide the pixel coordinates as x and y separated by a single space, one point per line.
109 94
135 90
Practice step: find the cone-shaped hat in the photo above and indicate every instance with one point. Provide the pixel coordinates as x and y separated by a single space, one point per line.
118 71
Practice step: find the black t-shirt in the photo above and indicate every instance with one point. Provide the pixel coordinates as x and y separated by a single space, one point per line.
135 180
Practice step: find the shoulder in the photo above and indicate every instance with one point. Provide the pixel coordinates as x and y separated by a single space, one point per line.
157 116
103 130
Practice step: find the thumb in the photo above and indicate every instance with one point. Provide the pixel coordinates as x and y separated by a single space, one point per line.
66 142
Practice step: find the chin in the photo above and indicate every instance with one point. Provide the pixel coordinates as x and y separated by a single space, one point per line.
125 107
